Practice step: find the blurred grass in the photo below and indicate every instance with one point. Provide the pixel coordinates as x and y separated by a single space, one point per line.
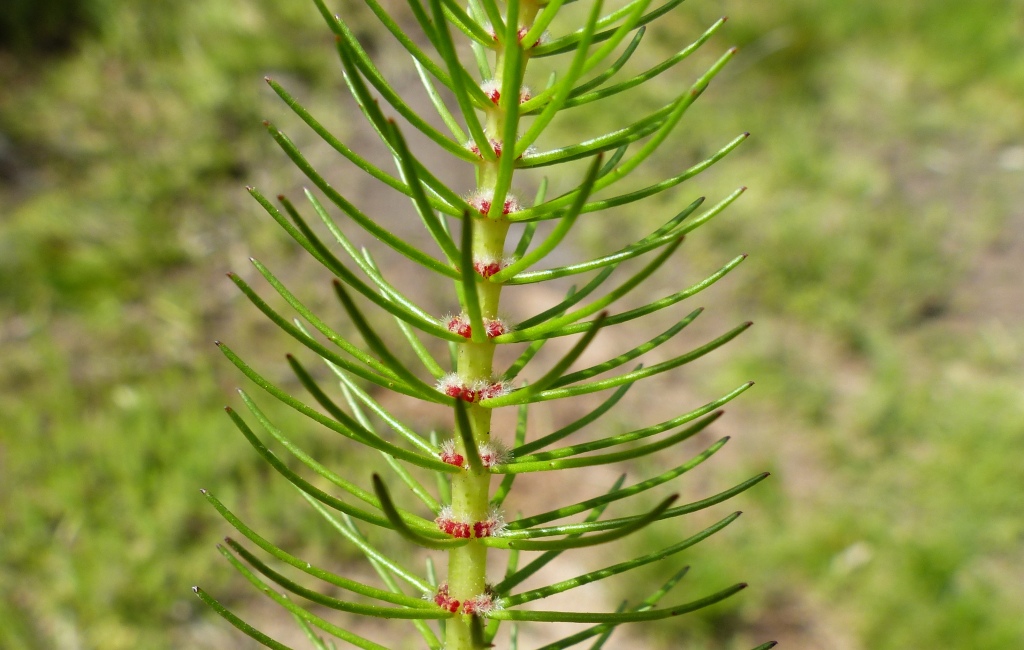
886 176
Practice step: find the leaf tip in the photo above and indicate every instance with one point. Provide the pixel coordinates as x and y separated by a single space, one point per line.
217 343
203 491
195 589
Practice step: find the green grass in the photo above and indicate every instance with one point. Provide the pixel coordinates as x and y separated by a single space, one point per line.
888 402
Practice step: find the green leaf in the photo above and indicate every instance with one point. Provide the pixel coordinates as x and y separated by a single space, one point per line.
568 511
330 602
294 449
636 375
390 361
657 305
585 97
506 481
356 62
553 375
439 105
281 600
410 482
357 431
557 94
615 569
618 138
237 622
391 512
606 630
580 542
575 426
557 234
419 56
570 42
572 297
465 433
464 23
403 429
444 487
666 184
636 434
524 358
490 7
393 302
626 357
308 487
545 558
678 511
352 534
663 235
385 381
469 277
542 21
610 71
611 618
313 637
419 196
519 466
344 428
337 144
459 88
422 353
511 83
406 249
306 567
542 330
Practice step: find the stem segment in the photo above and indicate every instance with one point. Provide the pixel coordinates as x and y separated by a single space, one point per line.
467 565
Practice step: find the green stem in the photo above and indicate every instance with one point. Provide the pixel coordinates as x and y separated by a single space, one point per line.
467 565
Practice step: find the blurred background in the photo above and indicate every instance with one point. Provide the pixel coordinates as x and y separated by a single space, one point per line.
885 223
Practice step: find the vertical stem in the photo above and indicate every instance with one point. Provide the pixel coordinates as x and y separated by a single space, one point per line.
467 565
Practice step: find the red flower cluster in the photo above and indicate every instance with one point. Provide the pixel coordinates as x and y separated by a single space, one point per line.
450 455
479 604
475 606
487 268
453 386
448 523
444 601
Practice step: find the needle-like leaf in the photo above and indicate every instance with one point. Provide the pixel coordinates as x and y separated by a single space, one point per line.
391 512
306 567
249 630
616 569
520 466
624 617
341 633
580 542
